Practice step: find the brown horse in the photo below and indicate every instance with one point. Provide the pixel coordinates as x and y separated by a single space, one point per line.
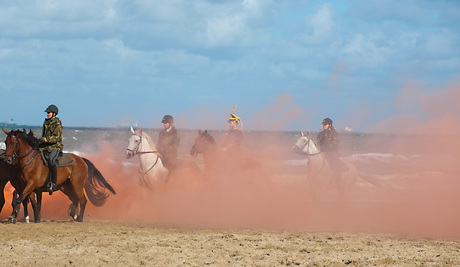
22 150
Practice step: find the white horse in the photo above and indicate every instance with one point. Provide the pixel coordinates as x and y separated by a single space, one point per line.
152 171
320 174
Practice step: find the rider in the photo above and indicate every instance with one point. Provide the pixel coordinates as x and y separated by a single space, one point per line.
328 141
52 137
168 142
234 136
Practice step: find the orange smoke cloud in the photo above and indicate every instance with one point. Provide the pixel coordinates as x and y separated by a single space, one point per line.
423 202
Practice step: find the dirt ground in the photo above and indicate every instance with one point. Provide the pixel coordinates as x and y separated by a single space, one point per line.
102 243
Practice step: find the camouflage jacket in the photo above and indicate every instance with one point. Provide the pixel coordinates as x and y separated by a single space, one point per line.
168 142
52 133
328 140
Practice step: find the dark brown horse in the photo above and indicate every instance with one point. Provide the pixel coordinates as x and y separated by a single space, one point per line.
9 173
218 163
22 150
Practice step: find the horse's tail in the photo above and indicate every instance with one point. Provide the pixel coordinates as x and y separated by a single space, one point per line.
96 185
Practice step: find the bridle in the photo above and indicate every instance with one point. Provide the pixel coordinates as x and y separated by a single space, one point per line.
136 151
307 145
15 154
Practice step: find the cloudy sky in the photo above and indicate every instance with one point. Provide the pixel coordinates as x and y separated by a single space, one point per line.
285 64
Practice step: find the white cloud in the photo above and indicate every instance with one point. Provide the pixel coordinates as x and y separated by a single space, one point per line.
367 50
320 25
119 47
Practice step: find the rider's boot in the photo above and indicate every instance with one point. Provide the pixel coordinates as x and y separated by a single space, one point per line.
53 179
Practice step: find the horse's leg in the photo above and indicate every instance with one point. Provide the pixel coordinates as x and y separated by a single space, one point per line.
38 209
34 204
15 212
69 191
25 203
30 187
83 202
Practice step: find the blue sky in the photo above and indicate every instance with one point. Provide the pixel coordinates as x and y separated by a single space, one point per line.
286 64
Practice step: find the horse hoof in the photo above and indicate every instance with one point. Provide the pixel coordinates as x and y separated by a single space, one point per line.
12 220
75 217
27 219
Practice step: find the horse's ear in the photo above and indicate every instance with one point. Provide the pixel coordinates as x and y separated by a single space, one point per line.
301 133
199 132
308 133
5 131
132 130
142 129
205 132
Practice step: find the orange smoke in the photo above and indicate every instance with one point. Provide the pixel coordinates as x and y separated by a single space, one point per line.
424 200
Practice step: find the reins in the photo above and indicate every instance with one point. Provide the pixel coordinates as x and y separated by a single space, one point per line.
15 155
136 151
307 145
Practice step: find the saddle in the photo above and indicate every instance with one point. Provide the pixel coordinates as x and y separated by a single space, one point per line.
64 159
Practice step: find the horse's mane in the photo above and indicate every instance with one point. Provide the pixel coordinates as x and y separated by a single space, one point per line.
29 137
209 137
149 140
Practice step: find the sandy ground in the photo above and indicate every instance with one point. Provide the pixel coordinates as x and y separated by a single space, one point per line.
102 243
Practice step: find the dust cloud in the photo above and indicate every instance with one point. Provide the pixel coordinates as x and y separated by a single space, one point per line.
421 198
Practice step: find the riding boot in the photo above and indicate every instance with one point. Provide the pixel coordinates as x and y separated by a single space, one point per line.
53 179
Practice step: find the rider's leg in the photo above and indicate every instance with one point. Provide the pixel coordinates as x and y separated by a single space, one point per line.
52 165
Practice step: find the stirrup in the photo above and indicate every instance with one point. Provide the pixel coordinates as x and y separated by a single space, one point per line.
51 188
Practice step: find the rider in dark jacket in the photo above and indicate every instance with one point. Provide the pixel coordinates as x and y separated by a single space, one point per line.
168 142
328 141
52 137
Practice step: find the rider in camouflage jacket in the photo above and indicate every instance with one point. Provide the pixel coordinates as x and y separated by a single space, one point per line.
168 142
52 143
328 141
52 133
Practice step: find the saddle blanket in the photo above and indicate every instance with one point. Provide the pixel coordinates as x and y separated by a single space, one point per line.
64 159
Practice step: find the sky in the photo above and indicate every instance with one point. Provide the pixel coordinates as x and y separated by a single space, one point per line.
285 64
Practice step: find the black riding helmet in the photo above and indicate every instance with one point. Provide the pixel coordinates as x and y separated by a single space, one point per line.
327 121
167 119
52 108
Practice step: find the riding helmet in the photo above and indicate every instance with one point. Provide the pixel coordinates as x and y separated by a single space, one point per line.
52 108
167 119
327 121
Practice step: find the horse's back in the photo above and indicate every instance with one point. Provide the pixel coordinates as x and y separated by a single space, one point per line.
78 163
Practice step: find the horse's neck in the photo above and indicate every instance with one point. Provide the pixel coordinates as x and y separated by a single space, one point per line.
148 152
210 155
147 144
312 149
25 153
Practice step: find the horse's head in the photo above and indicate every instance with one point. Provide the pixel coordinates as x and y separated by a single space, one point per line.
202 143
133 143
305 145
15 142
